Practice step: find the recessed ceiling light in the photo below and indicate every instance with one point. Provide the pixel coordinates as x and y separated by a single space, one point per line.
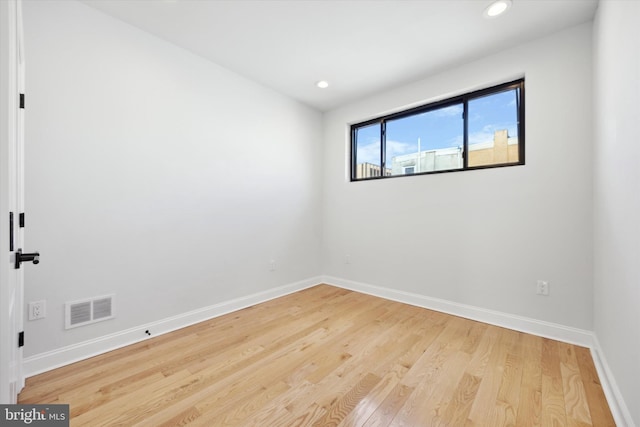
497 8
322 84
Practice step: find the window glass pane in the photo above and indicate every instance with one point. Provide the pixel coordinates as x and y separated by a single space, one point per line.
367 150
493 129
434 137
426 142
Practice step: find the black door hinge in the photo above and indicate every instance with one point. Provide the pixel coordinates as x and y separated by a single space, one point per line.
22 100
21 220
21 339
11 231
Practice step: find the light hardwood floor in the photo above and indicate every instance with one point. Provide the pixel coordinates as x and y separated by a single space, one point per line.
331 357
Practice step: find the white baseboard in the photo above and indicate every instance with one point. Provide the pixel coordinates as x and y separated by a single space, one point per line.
541 328
43 362
619 409
56 358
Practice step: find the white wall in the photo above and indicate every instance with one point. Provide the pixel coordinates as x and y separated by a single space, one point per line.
482 237
617 194
156 175
172 182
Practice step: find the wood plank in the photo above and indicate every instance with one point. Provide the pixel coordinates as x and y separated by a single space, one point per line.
473 337
245 406
341 408
554 413
599 411
338 383
457 412
435 377
530 407
483 407
389 408
575 399
277 413
378 399
506 408
182 419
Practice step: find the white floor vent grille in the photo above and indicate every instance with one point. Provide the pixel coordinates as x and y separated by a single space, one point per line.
85 312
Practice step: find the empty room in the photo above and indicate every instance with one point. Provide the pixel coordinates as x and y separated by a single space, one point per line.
320 212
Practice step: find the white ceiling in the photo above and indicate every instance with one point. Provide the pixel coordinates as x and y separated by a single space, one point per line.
358 46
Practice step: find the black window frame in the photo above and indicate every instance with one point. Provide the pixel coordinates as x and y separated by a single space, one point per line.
460 99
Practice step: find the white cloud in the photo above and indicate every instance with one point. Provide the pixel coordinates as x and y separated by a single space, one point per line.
480 137
454 110
397 148
487 132
370 153
458 141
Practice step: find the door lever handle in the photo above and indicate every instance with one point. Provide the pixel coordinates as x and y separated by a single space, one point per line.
26 257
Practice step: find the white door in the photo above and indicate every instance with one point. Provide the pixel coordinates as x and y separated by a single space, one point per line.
11 198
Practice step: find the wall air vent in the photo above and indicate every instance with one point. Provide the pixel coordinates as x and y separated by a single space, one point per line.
85 312
102 308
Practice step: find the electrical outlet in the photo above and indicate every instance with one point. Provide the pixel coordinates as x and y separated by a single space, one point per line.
347 259
272 265
542 288
37 310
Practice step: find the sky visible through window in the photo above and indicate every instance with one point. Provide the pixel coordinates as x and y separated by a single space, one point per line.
441 128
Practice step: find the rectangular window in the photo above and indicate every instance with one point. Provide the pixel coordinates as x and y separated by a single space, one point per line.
477 130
